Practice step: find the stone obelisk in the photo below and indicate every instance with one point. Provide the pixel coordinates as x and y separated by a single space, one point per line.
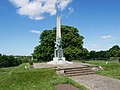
58 51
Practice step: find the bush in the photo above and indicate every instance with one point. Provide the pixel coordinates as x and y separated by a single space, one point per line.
83 61
31 63
8 61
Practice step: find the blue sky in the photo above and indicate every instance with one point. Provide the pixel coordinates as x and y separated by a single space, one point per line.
21 22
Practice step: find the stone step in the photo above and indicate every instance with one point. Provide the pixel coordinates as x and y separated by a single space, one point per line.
76 71
79 74
72 68
79 71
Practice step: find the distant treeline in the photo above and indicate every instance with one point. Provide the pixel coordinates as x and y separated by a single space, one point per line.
24 59
9 61
105 55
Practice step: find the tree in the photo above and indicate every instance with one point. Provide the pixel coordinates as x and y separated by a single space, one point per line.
102 55
92 54
8 61
71 40
114 51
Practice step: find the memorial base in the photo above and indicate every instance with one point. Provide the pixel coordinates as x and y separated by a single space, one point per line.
56 60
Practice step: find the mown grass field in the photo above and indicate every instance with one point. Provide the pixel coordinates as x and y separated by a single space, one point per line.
18 78
112 69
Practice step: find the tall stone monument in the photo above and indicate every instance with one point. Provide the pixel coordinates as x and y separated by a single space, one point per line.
58 51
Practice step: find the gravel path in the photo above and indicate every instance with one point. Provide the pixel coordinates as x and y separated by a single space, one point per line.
97 82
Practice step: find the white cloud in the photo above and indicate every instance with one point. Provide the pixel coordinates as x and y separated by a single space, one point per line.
35 31
35 9
20 3
106 37
71 10
62 4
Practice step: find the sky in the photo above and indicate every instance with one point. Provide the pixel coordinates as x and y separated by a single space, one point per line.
22 21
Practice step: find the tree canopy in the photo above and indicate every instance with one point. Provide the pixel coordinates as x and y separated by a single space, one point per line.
115 51
72 43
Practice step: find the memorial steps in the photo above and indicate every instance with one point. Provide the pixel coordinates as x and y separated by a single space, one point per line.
76 71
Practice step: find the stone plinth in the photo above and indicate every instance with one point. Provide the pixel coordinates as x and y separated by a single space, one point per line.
56 60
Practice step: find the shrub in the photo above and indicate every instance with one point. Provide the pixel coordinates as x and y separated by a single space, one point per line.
8 61
31 63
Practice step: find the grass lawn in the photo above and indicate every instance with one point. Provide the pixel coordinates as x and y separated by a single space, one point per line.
112 69
17 78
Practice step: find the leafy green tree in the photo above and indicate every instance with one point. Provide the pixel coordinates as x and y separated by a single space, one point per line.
119 53
44 52
114 51
71 40
4 61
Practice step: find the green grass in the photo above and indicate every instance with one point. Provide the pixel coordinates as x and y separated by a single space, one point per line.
18 78
112 69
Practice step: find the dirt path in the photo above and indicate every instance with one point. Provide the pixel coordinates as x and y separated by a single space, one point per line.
97 82
65 87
